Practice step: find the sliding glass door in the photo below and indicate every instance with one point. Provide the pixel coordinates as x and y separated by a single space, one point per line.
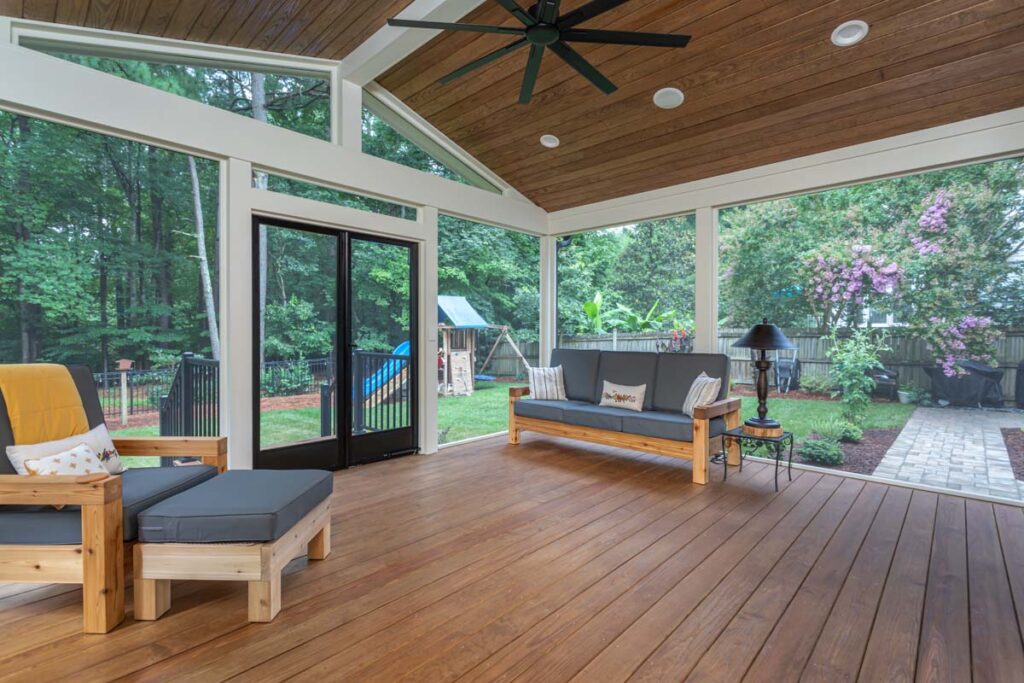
334 323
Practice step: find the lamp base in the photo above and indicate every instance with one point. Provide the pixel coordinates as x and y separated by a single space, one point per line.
762 427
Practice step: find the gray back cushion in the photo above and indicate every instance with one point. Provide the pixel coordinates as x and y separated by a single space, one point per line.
579 368
90 400
676 372
630 368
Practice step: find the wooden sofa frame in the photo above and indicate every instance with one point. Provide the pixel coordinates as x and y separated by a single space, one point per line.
98 563
699 451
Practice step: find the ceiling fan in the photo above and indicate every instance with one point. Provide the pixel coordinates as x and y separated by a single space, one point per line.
544 28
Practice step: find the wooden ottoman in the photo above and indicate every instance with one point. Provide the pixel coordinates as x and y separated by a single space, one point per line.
243 525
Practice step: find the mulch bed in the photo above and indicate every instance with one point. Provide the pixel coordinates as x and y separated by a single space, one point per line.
1014 439
749 390
863 457
290 402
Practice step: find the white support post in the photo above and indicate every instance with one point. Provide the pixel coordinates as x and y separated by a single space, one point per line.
6 31
346 113
548 297
706 313
428 331
236 329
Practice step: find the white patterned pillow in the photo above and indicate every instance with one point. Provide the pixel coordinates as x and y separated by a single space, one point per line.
703 391
620 396
547 384
97 439
79 460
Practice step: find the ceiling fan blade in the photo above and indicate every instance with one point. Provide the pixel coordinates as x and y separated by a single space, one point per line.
586 35
588 11
445 26
530 76
585 68
517 11
486 59
546 11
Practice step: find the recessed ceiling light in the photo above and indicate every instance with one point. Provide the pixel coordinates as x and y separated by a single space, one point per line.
550 141
849 33
669 98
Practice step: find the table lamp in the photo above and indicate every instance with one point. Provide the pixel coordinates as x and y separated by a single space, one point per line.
763 337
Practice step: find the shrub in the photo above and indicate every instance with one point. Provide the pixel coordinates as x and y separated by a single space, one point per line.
822 451
816 384
288 379
853 357
836 429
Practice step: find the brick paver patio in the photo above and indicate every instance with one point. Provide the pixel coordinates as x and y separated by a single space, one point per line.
959 449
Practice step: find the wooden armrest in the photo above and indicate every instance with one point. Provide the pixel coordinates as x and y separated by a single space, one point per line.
716 409
172 446
16 489
518 392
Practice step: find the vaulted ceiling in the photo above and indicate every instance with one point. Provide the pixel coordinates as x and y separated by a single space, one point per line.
763 83
316 28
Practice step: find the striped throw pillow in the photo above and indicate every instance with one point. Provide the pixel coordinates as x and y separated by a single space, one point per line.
547 384
703 391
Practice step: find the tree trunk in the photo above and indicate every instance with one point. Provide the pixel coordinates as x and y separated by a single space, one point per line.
161 239
104 314
259 112
29 313
204 265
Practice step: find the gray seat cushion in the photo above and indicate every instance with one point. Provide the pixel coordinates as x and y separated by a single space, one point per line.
665 425
629 368
542 410
579 369
598 417
140 488
676 372
241 506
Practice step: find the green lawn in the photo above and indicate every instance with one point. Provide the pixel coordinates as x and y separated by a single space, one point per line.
486 412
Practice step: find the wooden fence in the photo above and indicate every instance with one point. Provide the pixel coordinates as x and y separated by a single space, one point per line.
909 355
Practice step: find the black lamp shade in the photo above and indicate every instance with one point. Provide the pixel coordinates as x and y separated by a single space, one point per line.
764 336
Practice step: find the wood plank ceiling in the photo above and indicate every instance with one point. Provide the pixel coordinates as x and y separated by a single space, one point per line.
763 84
317 28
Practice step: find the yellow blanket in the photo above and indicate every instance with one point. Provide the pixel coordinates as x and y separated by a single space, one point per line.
43 403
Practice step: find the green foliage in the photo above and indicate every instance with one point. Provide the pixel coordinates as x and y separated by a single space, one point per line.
822 451
287 379
838 429
637 269
817 384
295 331
592 309
852 357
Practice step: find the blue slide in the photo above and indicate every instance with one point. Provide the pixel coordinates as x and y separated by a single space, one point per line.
387 371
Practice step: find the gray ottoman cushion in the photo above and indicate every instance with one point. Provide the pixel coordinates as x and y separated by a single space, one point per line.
140 488
665 425
579 369
237 507
630 368
676 372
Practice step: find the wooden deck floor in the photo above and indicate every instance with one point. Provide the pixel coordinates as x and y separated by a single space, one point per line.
556 561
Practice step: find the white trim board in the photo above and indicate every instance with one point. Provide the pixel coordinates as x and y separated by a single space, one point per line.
973 140
82 97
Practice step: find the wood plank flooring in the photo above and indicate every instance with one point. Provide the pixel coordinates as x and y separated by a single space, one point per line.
557 561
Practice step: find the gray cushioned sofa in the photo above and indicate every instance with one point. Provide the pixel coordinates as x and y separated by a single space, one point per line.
660 428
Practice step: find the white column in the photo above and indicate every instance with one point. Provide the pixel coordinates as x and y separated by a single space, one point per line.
235 263
346 112
428 332
706 313
6 38
548 297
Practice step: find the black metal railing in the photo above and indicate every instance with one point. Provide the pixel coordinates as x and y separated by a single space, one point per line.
134 392
192 404
295 377
380 394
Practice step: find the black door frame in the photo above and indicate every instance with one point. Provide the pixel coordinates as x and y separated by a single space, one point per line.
344 450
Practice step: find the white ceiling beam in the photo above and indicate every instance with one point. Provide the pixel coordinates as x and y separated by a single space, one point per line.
390 44
86 98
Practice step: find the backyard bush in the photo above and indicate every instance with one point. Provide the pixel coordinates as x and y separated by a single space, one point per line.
838 429
822 452
853 357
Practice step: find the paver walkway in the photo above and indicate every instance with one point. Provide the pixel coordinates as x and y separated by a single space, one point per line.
955 448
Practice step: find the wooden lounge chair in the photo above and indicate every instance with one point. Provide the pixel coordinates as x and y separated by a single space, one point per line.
85 544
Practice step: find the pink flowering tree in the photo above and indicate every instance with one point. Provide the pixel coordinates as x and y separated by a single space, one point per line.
842 284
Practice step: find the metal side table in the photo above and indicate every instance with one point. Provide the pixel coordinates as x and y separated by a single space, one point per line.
774 446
